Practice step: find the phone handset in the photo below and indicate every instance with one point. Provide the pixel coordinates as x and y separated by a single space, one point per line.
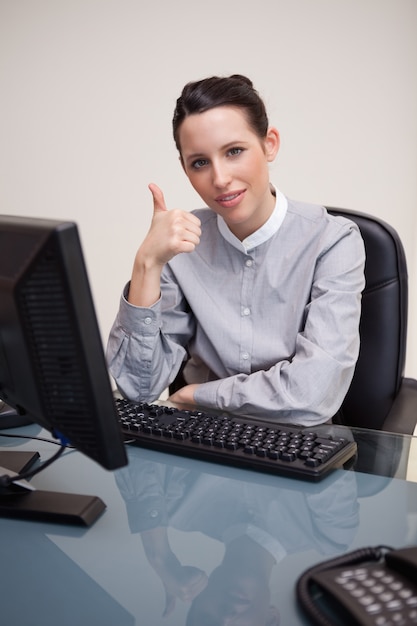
374 586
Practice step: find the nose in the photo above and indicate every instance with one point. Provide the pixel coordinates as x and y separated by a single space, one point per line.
221 175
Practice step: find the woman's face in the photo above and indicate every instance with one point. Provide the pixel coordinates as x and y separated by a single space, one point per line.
227 164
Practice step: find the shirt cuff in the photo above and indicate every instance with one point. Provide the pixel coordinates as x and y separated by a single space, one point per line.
133 319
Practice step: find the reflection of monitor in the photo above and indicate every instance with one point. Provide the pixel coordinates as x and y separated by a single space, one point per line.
52 366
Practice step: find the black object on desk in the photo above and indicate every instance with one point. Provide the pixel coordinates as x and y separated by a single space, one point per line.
306 453
51 506
52 365
369 587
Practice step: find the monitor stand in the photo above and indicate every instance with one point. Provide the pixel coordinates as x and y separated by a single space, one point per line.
22 501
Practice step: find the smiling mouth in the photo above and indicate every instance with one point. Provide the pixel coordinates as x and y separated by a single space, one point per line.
229 199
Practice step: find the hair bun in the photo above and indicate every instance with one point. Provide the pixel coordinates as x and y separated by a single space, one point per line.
242 79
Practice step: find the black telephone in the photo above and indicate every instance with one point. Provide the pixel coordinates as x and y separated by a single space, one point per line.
369 587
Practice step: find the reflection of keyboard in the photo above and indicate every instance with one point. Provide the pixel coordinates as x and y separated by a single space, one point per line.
304 453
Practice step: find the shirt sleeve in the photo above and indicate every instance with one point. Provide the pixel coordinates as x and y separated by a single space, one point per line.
309 387
142 359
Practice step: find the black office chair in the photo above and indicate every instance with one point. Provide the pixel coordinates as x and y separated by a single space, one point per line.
379 396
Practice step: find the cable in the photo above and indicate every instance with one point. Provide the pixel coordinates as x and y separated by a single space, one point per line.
33 438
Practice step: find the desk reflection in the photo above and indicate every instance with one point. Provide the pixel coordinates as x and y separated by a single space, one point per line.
259 521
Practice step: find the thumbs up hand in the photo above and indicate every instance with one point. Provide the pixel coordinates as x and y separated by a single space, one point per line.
171 232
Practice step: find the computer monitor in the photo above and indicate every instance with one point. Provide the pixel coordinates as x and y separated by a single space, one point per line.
52 365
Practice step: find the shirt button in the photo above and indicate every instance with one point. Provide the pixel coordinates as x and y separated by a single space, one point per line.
245 356
246 311
148 320
249 263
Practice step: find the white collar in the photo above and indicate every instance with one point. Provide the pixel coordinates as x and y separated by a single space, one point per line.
263 233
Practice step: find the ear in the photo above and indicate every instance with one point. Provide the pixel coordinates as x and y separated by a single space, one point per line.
272 143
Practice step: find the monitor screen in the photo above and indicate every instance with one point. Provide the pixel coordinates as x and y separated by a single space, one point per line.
52 365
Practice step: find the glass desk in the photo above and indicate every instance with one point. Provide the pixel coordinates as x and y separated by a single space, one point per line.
187 542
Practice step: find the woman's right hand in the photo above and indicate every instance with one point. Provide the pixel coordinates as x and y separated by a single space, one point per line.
171 233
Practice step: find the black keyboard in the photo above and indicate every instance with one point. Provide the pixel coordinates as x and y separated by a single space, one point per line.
304 453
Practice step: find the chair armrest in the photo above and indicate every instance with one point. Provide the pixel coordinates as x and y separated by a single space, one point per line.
402 417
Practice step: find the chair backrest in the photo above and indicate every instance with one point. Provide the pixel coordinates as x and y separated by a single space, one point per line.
383 326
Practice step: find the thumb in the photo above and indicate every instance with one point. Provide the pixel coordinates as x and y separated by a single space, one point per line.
158 198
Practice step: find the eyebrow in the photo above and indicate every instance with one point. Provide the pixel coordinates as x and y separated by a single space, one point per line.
228 145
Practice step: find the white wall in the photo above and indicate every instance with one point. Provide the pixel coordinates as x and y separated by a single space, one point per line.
88 90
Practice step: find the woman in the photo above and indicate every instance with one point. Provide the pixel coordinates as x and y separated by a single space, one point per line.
258 295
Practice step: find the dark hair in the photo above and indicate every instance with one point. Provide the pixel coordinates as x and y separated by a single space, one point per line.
236 90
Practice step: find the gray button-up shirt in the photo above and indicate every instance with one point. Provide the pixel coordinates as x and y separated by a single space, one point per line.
269 326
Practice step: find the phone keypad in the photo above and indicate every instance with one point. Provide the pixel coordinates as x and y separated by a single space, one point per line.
378 596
